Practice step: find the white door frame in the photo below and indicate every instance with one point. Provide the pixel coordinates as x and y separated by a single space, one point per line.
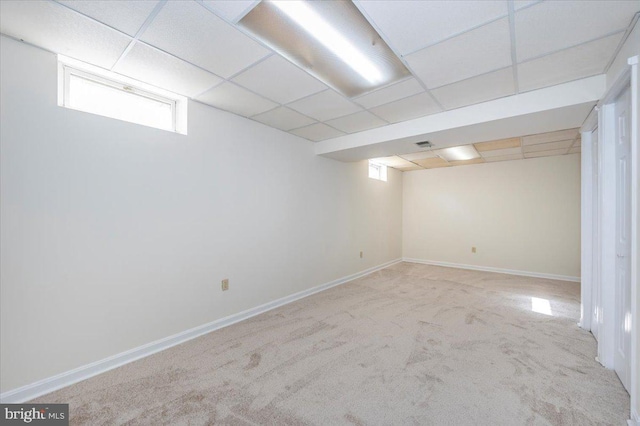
604 250
607 231
595 287
588 232
635 239
622 323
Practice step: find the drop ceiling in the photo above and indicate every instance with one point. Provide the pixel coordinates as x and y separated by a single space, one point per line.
548 144
331 40
459 53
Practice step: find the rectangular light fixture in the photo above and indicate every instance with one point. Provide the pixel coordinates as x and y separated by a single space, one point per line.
321 30
331 40
458 153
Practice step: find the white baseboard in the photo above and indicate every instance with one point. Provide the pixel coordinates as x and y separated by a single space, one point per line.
43 387
491 269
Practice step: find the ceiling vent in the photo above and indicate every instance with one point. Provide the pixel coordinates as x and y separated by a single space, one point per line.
425 144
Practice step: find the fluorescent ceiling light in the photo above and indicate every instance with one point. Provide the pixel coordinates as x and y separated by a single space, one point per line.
320 29
458 153
330 40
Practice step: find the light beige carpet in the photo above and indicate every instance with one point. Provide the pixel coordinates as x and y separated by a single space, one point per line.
411 344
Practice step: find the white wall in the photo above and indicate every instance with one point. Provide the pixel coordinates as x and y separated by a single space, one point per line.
631 47
114 235
521 215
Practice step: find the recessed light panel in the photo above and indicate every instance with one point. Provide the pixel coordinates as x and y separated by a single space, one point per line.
458 153
329 39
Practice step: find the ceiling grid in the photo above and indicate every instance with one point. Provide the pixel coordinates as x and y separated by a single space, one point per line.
514 55
238 73
458 54
532 146
140 31
391 46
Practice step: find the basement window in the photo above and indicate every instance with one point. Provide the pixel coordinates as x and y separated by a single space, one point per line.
98 94
377 171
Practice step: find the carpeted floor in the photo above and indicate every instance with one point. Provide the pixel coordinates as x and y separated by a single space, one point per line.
411 344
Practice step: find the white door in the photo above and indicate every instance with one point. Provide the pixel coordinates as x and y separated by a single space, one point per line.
622 357
595 265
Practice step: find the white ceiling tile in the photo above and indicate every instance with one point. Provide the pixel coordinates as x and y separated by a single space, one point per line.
410 168
554 25
393 161
193 33
155 67
548 146
504 158
502 152
519 4
403 164
567 65
230 97
560 135
283 118
317 132
324 106
279 80
473 53
467 162
476 89
231 10
407 108
545 153
498 144
433 163
390 93
126 16
61 30
357 122
411 25
418 155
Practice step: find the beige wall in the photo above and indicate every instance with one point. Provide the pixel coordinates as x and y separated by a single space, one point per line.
521 215
114 235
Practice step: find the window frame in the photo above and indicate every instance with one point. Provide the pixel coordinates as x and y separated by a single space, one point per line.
382 171
68 71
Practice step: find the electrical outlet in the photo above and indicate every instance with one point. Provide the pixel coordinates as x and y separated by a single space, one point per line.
225 284
361 255
473 249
